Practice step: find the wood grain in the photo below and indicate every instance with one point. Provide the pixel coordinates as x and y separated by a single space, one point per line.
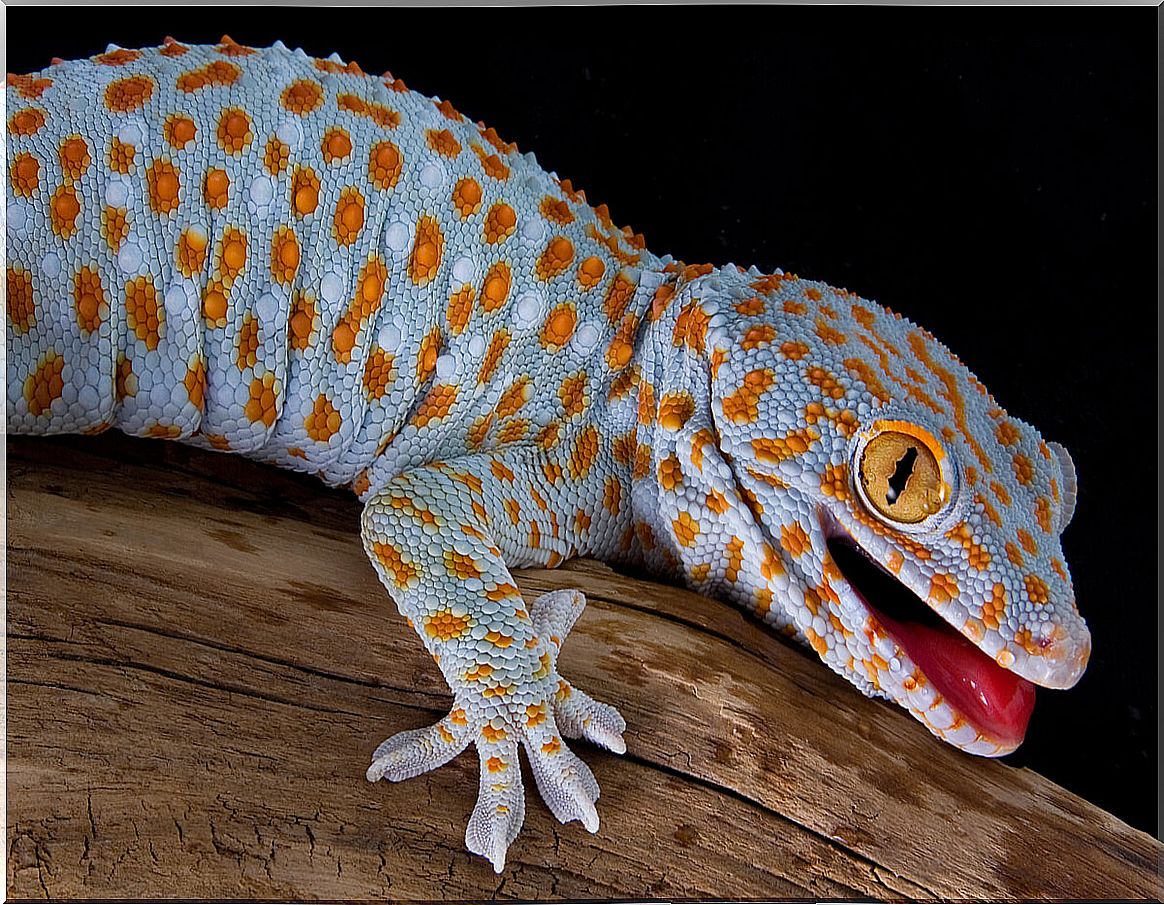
201 661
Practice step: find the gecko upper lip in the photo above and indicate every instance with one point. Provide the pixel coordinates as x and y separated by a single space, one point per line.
996 701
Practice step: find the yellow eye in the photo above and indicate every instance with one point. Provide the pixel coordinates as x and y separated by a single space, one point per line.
901 478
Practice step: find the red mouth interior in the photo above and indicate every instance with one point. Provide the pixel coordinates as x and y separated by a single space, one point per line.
997 702
994 700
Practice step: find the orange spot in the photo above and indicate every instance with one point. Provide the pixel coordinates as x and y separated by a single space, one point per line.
492 358
618 296
590 271
467 197
403 573
304 191
496 286
45 384
302 323
621 348
444 626
826 382
1043 513
24 175
436 405
64 209
234 130
89 299
214 305
349 216
794 539
751 307
247 343
284 255
384 165
691 328
584 452
775 450
234 252
442 142
461 565
379 373
216 189
830 335
230 48
125 95
556 210
178 130
555 258
171 48
1023 469
491 163
324 421
118 57
460 309
834 481
276 156
263 402
742 406
675 409
794 350
143 314
20 303
559 327
302 97
337 145
28 87
670 473
943 588
685 529
365 302
500 223
162 179
216 74
122 157
518 393
1037 590
191 252
427 249
572 394
378 113
758 336
74 156
26 122
1007 433
195 382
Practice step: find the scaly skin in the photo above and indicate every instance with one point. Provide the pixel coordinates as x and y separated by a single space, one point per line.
260 252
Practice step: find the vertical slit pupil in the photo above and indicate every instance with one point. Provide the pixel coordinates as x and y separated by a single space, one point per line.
901 475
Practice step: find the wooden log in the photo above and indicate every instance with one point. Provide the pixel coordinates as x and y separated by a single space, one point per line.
201 661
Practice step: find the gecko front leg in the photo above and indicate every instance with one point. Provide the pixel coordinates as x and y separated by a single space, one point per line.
429 536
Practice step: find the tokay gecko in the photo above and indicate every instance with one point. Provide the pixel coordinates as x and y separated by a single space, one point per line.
260 252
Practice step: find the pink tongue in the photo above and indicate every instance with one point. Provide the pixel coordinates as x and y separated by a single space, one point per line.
994 700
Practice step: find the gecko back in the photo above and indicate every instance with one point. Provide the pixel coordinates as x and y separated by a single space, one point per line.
258 251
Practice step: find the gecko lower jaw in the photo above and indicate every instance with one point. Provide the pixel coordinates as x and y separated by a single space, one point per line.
997 702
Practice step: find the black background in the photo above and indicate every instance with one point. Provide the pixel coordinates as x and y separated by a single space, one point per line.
988 173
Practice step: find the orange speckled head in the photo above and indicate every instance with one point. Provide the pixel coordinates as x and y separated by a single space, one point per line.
919 523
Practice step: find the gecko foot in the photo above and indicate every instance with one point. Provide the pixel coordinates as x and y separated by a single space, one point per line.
496 725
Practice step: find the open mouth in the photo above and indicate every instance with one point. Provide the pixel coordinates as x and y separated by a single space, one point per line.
996 702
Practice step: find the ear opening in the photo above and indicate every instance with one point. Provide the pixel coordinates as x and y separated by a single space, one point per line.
1069 484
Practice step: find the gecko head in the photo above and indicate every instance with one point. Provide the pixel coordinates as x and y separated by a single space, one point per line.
918 525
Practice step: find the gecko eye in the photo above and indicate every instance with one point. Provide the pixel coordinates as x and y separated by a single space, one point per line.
900 475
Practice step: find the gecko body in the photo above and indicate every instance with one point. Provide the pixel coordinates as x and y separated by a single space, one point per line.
264 253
